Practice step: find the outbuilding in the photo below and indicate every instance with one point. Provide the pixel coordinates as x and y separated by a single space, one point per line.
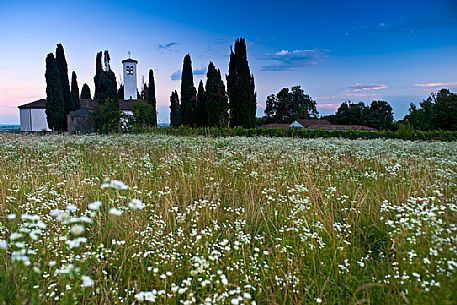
33 116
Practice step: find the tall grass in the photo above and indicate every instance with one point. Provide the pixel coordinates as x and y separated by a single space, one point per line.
226 220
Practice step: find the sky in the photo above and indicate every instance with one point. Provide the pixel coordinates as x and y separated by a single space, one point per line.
400 51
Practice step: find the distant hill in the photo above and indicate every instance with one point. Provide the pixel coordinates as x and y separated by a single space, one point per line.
10 127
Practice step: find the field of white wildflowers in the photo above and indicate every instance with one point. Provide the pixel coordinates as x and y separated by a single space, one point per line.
133 219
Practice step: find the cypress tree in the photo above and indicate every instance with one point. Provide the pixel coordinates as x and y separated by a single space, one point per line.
106 114
151 97
202 112
188 93
54 99
62 67
175 110
216 98
98 76
85 92
120 92
241 88
74 93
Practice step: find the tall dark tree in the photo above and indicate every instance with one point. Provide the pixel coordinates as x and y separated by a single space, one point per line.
445 110
241 88
202 111
120 92
105 80
438 111
188 93
54 99
62 67
175 110
85 92
106 114
151 97
74 93
99 75
217 101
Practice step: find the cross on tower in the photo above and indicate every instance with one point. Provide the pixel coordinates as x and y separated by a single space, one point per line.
129 70
129 53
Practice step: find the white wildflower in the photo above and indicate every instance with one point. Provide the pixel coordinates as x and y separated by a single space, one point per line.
136 204
94 205
115 212
86 281
77 229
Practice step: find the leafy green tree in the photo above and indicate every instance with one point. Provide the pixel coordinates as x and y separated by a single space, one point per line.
188 93
241 88
62 67
216 98
287 106
351 114
378 115
202 111
150 92
107 116
74 93
54 99
142 114
85 92
175 110
381 116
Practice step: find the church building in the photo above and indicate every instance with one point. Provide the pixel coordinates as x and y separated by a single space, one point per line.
33 115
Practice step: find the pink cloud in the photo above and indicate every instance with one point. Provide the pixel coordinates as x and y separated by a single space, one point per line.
325 97
436 85
353 94
364 87
328 106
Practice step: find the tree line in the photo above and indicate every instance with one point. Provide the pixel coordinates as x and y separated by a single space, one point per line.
437 112
212 105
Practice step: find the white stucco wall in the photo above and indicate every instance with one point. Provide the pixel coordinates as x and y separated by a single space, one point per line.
33 119
130 81
295 124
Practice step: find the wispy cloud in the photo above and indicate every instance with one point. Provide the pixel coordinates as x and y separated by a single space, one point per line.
355 94
167 46
328 106
197 72
436 85
365 87
319 98
286 60
407 26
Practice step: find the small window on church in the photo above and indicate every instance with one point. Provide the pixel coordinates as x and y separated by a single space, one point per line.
129 70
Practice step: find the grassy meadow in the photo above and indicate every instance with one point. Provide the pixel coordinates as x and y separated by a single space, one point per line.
133 219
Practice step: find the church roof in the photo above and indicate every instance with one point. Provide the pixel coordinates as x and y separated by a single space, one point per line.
39 104
130 60
124 105
80 112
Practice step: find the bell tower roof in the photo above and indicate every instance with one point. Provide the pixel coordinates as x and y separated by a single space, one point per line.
130 60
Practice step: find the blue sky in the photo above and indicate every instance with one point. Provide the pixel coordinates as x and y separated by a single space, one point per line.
399 51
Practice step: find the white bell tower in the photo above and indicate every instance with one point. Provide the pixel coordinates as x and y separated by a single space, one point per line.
130 82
